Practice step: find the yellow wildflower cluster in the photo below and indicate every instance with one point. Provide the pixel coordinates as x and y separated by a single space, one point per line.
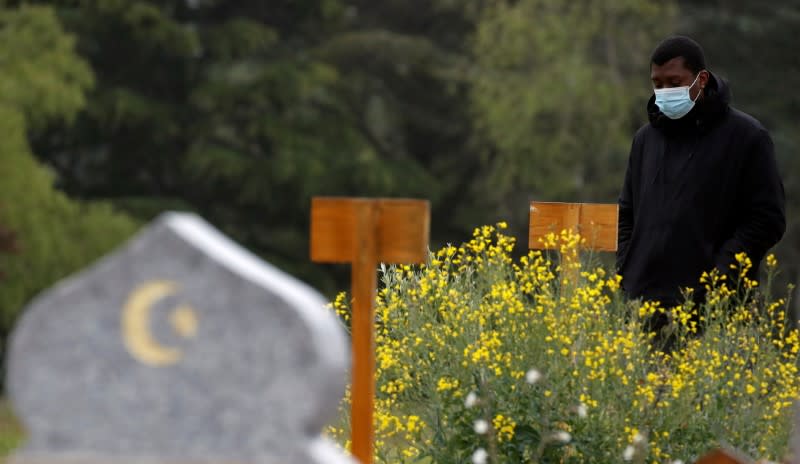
478 350
504 427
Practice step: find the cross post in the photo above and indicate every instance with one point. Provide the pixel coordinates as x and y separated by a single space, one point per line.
363 232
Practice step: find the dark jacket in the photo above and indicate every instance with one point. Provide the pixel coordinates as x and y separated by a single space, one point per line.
697 191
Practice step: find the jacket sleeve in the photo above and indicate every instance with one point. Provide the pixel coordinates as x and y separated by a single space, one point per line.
761 208
625 221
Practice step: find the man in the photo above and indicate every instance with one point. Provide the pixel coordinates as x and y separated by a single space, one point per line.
701 186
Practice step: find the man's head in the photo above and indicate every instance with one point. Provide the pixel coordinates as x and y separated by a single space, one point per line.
677 62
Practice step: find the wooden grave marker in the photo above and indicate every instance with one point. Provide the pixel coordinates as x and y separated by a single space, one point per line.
595 222
365 232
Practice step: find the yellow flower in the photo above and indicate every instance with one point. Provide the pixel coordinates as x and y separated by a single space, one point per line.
475 318
772 262
504 427
446 384
414 424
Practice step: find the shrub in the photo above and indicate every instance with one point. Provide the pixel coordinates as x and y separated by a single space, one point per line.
483 358
54 236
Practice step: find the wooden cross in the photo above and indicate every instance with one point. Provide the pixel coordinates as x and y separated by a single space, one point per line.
595 222
365 232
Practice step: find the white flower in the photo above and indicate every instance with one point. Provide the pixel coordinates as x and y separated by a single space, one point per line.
480 456
481 426
533 376
562 436
471 400
628 453
677 461
638 438
583 411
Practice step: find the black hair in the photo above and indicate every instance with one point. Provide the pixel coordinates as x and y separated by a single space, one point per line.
675 46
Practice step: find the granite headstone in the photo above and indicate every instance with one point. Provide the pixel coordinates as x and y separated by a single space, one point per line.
794 438
178 347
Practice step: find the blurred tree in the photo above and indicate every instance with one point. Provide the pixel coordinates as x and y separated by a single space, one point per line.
243 110
7 245
204 106
560 88
42 80
406 88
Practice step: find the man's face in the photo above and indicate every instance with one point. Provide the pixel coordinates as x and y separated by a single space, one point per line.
674 73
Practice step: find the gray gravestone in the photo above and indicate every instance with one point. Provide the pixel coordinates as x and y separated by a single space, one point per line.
794 438
179 347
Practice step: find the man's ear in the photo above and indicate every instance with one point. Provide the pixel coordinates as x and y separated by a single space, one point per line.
703 78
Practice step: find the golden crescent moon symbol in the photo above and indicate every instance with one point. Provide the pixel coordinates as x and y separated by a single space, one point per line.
136 333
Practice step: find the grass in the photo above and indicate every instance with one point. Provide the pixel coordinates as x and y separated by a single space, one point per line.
10 431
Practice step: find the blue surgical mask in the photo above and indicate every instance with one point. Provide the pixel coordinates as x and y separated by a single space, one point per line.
676 102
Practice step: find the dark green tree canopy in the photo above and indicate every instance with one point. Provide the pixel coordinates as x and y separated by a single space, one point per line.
243 110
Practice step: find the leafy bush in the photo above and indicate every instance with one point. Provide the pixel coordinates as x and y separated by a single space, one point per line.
54 236
43 81
483 358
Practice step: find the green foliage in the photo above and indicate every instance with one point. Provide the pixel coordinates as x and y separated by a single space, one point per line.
7 243
242 110
558 88
41 76
10 431
535 361
54 236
